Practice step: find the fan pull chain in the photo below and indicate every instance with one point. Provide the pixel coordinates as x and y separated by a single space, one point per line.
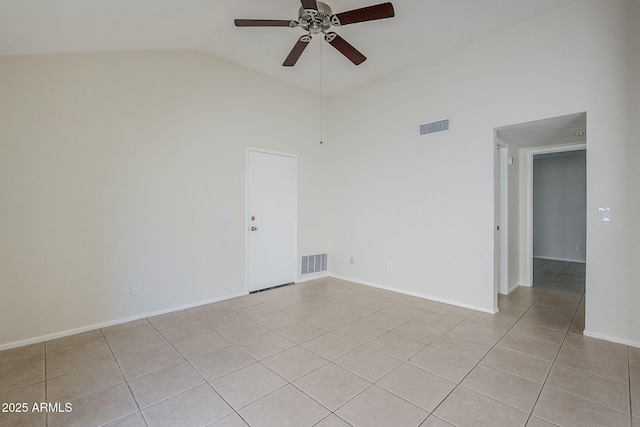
321 95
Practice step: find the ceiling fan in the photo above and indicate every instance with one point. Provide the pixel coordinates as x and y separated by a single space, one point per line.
316 17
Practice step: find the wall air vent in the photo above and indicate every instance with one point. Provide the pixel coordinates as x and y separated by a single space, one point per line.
433 127
313 263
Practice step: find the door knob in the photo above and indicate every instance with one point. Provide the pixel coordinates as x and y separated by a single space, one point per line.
254 228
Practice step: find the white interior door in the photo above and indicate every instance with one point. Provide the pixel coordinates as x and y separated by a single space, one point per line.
271 219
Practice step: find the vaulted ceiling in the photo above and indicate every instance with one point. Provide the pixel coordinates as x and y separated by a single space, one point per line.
420 29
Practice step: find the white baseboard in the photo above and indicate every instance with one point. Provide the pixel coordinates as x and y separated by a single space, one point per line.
619 340
74 331
511 289
415 294
580 261
312 276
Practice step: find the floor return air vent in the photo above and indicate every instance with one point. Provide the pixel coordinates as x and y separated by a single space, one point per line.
313 263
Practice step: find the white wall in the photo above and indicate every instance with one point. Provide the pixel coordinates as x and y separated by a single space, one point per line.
112 170
559 206
613 178
632 172
426 204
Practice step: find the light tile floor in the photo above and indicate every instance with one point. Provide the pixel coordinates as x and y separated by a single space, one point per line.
334 353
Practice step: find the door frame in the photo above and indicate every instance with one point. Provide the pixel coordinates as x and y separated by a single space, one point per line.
503 270
529 199
501 221
247 220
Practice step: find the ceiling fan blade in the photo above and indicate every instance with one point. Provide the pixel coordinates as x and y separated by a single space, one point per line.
297 50
309 4
345 48
264 23
370 13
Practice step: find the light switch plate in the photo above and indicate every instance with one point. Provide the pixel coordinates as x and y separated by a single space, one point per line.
604 214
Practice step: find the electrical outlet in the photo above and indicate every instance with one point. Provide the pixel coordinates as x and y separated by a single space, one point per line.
390 267
351 260
135 288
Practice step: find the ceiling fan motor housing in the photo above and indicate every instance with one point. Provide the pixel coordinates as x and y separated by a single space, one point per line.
316 17
315 21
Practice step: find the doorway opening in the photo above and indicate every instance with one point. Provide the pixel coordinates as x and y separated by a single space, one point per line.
514 199
556 207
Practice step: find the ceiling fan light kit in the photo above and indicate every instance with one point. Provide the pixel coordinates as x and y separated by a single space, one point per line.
315 21
316 17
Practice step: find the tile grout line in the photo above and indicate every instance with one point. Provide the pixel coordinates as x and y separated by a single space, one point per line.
629 373
359 346
296 344
236 370
333 361
125 380
428 345
405 361
46 383
190 364
581 351
460 383
561 344
175 364
503 335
